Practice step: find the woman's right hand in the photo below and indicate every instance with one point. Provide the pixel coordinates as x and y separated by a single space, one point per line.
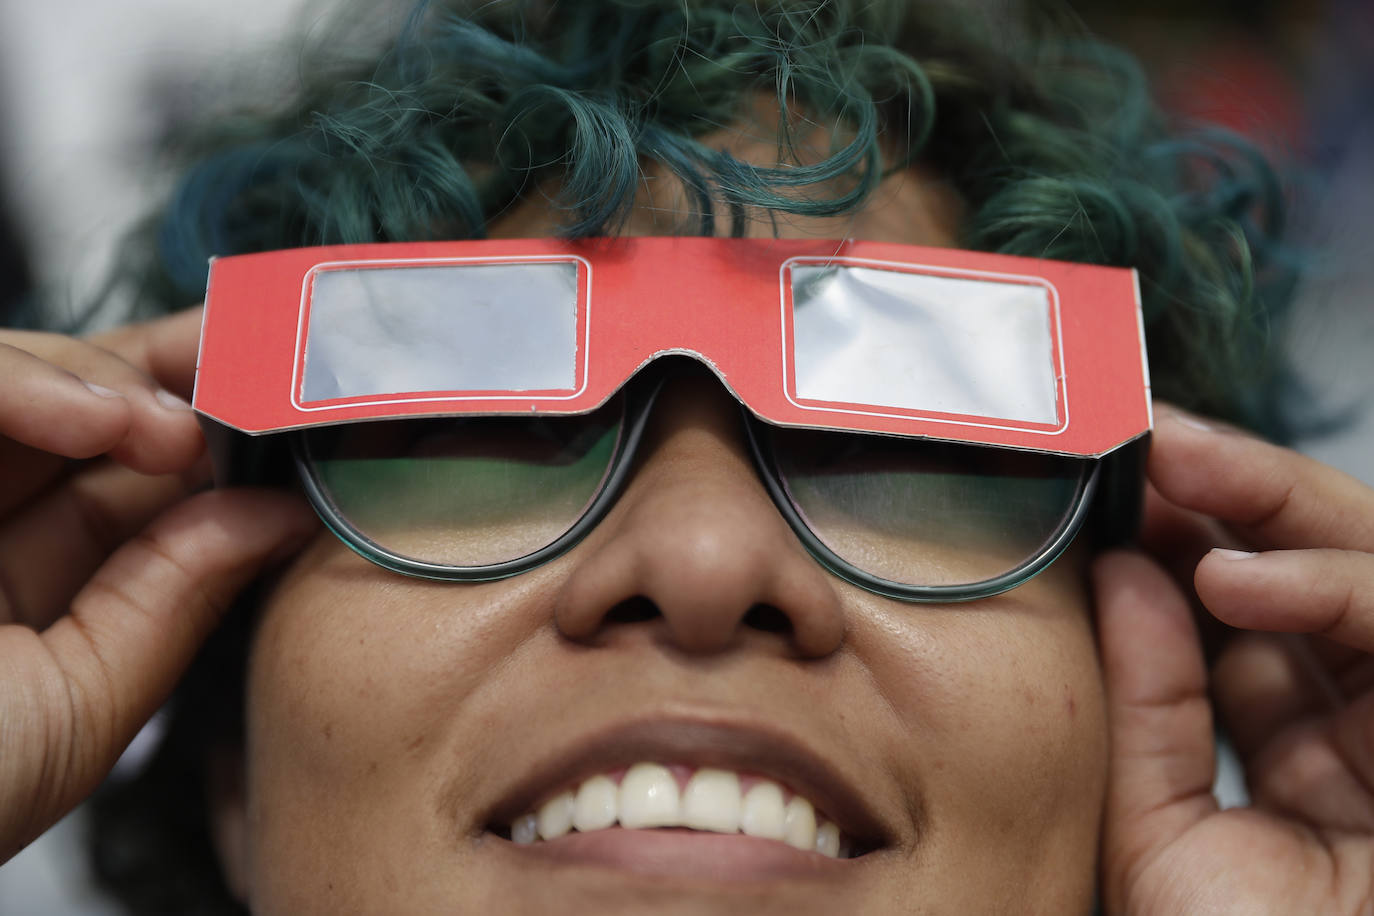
112 572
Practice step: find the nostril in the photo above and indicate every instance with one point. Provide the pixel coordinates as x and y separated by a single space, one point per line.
633 610
768 619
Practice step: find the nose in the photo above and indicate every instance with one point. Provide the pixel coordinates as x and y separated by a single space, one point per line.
695 541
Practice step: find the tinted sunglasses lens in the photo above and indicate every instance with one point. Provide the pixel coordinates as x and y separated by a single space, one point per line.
923 513
465 492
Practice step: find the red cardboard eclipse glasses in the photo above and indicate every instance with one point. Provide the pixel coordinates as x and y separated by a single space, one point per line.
901 345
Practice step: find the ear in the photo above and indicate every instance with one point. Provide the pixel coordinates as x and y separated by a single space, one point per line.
227 805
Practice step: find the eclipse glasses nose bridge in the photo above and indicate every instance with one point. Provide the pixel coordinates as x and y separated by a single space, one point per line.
469 410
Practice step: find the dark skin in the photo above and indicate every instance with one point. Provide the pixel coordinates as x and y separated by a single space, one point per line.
112 577
394 726
1305 731
1292 686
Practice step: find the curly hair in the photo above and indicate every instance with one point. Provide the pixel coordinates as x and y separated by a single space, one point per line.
1052 143
1050 140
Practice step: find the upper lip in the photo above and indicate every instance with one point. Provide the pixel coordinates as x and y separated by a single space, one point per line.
698 741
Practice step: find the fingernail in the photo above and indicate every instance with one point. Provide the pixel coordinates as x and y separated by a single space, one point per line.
101 390
171 401
1224 554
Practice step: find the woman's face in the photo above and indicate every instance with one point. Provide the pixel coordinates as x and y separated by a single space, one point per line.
397 728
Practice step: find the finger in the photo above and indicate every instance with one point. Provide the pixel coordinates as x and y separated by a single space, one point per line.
147 610
49 549
1175 537
47 417
48 408
1317 771
1351 670
1306 752
160 436
165 348
1162 750
135 628
1272 496
1323 592
1352 732
1178 538
1264 684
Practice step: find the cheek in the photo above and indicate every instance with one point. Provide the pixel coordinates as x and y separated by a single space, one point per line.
1003 705
355 677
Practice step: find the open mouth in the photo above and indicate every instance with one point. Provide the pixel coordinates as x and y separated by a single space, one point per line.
653 796
690 796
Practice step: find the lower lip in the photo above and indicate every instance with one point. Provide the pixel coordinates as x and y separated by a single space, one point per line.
685 854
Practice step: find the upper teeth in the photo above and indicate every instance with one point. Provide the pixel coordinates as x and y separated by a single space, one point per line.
714 800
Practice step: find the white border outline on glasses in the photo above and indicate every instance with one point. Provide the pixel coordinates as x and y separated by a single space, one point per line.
1144 356
298 353
931 270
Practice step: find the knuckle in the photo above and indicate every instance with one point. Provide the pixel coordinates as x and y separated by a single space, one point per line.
92 699
160 571
1342 610
99 598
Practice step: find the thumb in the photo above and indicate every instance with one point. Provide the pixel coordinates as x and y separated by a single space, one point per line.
1162 748
75 695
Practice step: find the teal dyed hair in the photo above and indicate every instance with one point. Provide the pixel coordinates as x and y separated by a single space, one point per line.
1053 144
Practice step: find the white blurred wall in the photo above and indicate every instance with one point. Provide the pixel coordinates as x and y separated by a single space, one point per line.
80 83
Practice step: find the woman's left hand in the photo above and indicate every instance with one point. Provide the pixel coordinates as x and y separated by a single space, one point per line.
1293 685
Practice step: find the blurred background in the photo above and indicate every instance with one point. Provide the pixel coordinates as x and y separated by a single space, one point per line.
88 87
1297 77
